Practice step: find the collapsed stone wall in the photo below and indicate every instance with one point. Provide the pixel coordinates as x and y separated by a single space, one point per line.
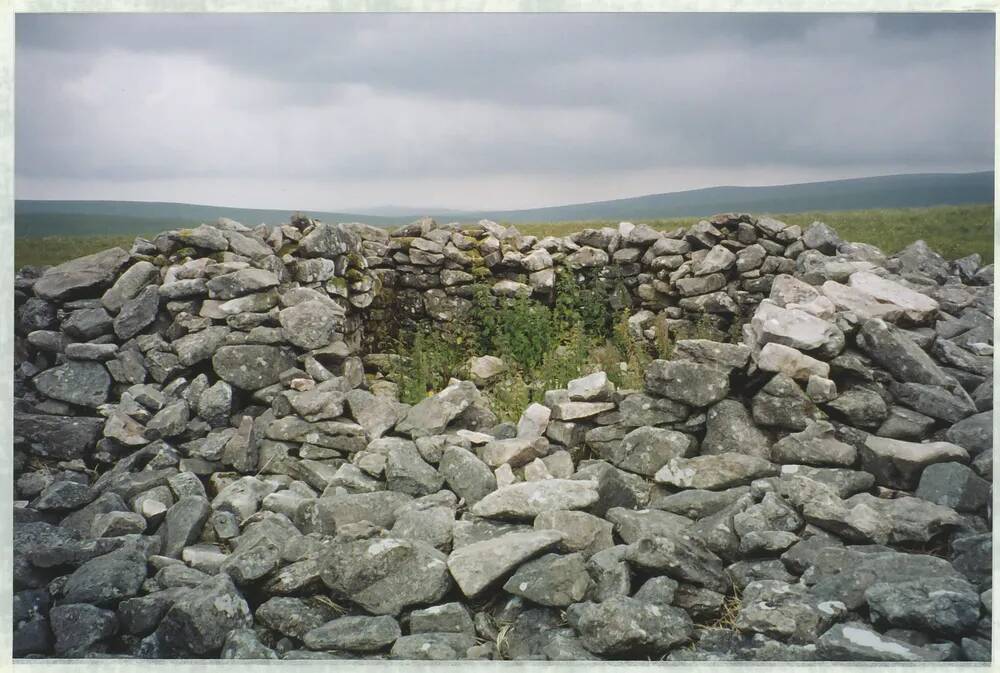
205 468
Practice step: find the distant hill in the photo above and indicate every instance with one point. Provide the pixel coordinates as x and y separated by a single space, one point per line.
65 218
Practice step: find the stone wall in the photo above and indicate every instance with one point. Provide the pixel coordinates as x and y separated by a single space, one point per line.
203 468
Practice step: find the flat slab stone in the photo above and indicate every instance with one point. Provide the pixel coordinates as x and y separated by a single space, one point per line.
79 276
917 307
898 464
714 472
526 500
478 565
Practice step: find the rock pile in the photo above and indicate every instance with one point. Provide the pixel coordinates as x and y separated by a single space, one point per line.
204 469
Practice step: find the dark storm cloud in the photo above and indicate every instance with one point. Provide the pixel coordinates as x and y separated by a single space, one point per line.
373 100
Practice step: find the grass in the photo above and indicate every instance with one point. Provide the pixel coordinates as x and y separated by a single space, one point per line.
57 249
954 231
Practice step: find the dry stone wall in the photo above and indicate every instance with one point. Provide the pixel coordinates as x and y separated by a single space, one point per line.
204 467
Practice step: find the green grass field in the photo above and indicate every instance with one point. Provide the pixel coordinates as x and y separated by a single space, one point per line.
954 231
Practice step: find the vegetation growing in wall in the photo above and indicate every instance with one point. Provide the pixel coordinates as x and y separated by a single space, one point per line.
543 345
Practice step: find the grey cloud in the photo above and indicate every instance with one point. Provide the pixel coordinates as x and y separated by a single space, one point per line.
373 97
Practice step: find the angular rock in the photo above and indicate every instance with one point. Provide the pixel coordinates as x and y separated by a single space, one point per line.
714 472
687 382
81 382
527 500
386 575
899 464
479 565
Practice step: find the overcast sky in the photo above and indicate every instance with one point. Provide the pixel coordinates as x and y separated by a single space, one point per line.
351 111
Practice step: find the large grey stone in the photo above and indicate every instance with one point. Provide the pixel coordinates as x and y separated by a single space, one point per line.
199 621
311 324
628 626
81 276
714 472
385 575
251 367
479 565
526 500
687 382
554 580
81 382
898 464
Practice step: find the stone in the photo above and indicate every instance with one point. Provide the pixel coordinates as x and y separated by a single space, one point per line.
639 409
328 240
646 449
311 324
526 500
484 369
244 644
784 611
953 485
698 503
407 472
199 621
183 524
514 452
816 445
591 388
682 557
105 580
137 313
432 646
444 618
946 405
571 411
917 307
775 357
78 626
940 605
714 472
385 575
628 626
87 323
687 382
730 429
856 641
376 414
81 382
581 532
251 367
974 434
555 580
533 422
198 346
432 415
333 512
796 329
893 349
81 276
470 478
481 564
63 495
240 283
781 403
634 525
899 464
293 617
718 259
356 634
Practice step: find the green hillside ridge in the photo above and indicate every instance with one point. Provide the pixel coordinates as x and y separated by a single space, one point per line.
108 218
954 231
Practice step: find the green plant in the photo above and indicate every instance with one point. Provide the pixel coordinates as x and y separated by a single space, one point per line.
428 362
509 395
